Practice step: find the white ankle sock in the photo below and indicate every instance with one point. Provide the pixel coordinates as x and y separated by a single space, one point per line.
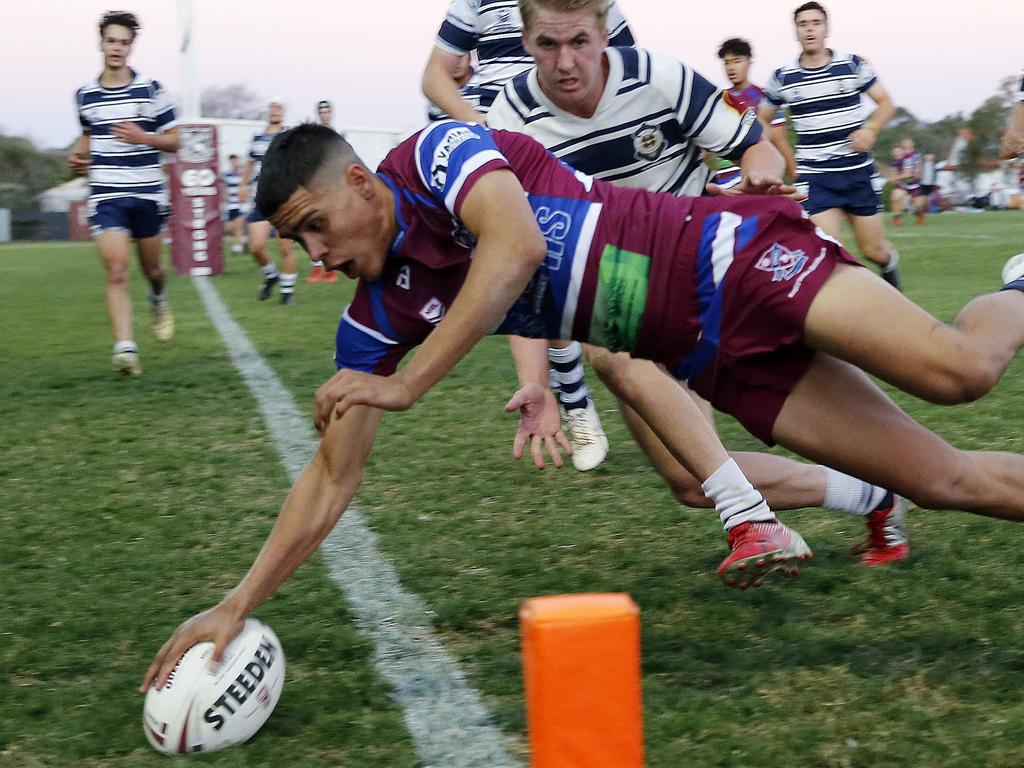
736 500
126 345
844 493
270 270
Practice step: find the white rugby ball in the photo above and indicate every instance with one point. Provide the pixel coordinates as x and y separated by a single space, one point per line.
1013 269
203 711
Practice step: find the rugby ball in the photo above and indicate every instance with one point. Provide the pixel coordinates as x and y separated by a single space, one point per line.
203 710
1013 269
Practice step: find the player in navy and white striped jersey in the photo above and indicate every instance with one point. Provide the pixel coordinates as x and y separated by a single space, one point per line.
822 90
259 229
640 119
493 30
126 123
234 219
1013 138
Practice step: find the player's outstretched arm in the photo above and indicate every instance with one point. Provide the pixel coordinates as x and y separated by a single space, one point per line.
318 498
540 423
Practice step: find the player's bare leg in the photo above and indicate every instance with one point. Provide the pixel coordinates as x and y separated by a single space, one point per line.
259 234
149 260
839 416
869 231
289 270
857 318
114 247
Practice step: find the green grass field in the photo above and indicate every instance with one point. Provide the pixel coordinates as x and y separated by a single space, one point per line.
129 504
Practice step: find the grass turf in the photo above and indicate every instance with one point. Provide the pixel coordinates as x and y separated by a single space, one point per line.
130 504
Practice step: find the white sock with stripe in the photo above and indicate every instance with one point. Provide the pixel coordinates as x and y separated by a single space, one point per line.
736 500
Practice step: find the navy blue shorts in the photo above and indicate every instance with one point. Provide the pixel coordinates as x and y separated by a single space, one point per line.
855 192
255 216
232 214
140 218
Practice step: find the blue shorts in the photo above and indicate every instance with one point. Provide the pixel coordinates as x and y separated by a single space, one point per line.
140 218
853 191
232 214
255 216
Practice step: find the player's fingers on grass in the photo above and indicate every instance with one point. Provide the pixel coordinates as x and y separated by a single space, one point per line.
553 452
518 444
536 450
564 442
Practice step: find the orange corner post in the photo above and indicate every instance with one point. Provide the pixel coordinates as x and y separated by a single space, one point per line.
581 663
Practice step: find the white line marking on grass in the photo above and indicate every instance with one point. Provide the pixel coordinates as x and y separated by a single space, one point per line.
449 724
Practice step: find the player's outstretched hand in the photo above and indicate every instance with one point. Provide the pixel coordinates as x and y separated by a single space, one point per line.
217 624
540 423
755 184
130 133
348 388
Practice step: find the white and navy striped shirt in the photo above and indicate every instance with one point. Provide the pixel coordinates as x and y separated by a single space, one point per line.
494 29
258 150
654 117
825 107
232 184
120 169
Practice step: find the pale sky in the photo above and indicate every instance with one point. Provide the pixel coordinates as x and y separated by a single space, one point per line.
367 56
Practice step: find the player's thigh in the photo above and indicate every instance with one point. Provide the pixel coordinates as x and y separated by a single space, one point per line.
858 317
259 233
837 416
114 249
830 221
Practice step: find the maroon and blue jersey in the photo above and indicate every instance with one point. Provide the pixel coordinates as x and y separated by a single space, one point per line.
908 169
605 270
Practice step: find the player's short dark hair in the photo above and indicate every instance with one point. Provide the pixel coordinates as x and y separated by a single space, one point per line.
232 156
296 156
121 19
735 46
811 6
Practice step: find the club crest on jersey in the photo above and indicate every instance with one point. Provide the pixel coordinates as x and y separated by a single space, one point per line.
439 164
648 142
433 311
782 262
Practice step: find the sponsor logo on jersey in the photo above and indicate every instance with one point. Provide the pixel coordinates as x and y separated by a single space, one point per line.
620 298
783 263
648 142
433 311
439 164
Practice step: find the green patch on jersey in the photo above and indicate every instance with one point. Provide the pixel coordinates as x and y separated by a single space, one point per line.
620 298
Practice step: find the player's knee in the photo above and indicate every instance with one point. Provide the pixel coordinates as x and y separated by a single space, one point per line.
117 274
969 376
612 369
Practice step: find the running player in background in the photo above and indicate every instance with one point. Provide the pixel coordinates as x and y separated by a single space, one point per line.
324 116
908 180
125 121
822 90
929 183
259 229
492 31
1013 138
640 119
234 219
737 55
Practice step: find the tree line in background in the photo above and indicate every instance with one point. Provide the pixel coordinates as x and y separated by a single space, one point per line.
25 170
